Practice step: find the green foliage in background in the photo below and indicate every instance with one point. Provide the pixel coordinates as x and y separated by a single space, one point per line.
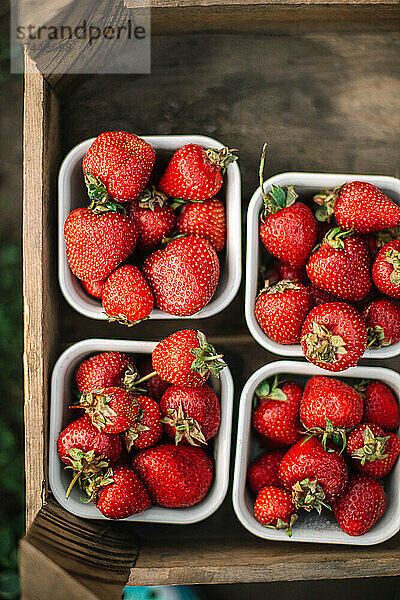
11 418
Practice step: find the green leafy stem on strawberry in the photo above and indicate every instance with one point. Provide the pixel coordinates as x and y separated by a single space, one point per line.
270 390
308 494
374 447
185 426
101 201
338 435
84 465
326 199
323 345
150 197
96 405
222 158
393 258
123 320
277 198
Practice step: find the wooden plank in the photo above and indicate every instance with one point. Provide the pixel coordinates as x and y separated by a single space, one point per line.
89 557
237 561
39 146
226 4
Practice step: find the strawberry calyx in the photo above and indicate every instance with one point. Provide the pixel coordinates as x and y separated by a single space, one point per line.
336 236
338 435
277 198
270 390
185 426
309 494
150 197
280 287
286 526
91 485
376 337
84 464
167 240
131 435
177 202
326 199
130 381
323 345
206 357
361 388
101 201
123 320
221 158
392 257
374 447
96 405
386 236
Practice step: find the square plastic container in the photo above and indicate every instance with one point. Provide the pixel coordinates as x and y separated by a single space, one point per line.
72 194
61 399
309 527
304 184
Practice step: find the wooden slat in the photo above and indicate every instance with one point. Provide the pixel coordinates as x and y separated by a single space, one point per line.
40 143
92 558
256 560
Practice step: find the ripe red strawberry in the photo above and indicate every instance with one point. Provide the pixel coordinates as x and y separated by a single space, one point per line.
359 206
264 470
155 387
334 336
97 243
94 288
194 173
281 310
287 272
386 269
361 506
205 219
183 276
120 161
373 451
112 410
274 508
153 216
147 429
190 414
186 358
288 228
375 241
382 318
341 266
319 296
176 476
86 450
103 370
276 417
380 406
122 494
314 475
127 297
330 407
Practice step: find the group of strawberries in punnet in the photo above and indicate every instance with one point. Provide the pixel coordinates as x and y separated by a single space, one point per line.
145 428
334 282
328 448
148 238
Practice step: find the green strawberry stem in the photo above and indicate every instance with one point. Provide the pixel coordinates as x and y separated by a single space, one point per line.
393 258
335 237
270 390
101 201
74 480
150 197
326 200
221 158
215 357
206 357
308 494
286 526
185 426
280 287
323 345
277 198
123 320
146 377
373 449
376 337
337 434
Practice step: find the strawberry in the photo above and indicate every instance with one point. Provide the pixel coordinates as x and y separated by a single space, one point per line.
122 494
287 272
85 449
176 476
341 266
334 336
276 416
386 269
374 453
103 370
153 216
155 387
264 470
281 310
380 406
359 206
119 161
127 297
361 506
94 288
190 414
111 410
97 242
287 227
375 241
186 358
382 318
183 276
314 475
319 296
205 219
147 429
330 407
194 173
274 508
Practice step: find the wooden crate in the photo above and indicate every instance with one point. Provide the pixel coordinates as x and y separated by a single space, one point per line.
326 102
